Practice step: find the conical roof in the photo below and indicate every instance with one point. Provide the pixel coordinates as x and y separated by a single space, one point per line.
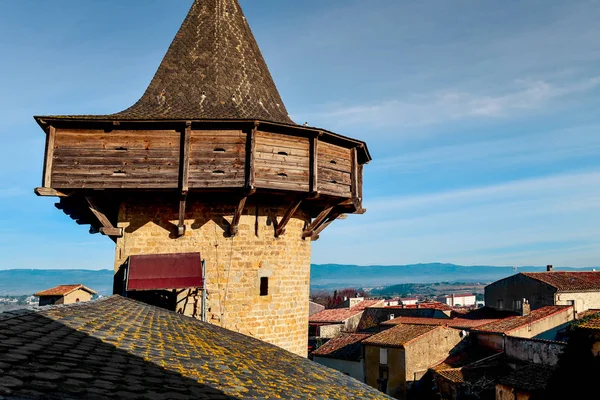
213 70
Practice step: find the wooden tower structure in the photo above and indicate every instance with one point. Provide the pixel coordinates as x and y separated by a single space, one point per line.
208 161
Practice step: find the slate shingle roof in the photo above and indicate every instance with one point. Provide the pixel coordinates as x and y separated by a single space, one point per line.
346 346
63 290
399 335
213 70
339 315
510 324
119 348
568 281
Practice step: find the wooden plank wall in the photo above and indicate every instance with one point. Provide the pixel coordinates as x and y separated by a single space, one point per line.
217 159
334 170
117 159
282 162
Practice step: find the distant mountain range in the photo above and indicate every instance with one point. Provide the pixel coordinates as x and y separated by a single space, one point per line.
325 276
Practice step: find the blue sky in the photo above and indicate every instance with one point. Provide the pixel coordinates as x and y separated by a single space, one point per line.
481 116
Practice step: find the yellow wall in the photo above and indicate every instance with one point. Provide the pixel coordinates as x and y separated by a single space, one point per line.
234 265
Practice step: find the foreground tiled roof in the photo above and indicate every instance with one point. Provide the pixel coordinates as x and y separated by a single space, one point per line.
63 290
213 70
399 335
593 323
346 346
533 377
452 374
451 322
119 348
512 323
339 315
568 281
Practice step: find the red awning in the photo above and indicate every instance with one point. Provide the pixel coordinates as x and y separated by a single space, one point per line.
164 271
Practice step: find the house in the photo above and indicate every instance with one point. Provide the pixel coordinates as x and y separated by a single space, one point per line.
343 353
405 301
581 289
329 323
65 294
458 299
119 348
476 371
543 323
374 316
397 358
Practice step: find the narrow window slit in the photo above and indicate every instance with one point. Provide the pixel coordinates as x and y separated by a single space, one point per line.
333 162
219 172
283 153
119 172
264 286
333 181
283 175
219 150
121 148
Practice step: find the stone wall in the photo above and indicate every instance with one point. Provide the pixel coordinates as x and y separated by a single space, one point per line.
234 265
532 350
582 301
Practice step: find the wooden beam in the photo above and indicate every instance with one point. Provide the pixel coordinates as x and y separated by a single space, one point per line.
233 228
316 222
48 157
332 217
45 191
354 173
250 157
314 166
103 219
181 224
273 218
280 229
185 156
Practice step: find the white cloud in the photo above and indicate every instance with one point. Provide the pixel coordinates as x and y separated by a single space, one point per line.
449 105
514 222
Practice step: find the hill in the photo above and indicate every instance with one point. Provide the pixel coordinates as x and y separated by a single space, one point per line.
16 282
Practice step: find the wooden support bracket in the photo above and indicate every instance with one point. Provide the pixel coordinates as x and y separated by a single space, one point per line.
233 228
308 232
280 228
181 224
44 191
107 227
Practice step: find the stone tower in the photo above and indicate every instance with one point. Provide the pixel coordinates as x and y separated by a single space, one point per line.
209 161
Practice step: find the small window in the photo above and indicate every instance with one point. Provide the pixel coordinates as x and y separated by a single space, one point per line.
383 356
77 300
264 286
500 304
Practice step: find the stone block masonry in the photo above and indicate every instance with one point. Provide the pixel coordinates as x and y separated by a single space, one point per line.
234 265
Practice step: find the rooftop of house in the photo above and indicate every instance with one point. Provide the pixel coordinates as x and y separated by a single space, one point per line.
532 377
568 281
434 305
346 346
339 315
119 348
510 324
400 335
63 290
450 322
592 321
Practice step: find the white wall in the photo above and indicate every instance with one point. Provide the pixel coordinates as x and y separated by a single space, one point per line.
353 368
583 301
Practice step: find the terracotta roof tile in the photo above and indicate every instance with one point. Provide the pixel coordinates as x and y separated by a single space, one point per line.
339 315
433 305
119 348
593 323
63 290
509 324
450 322
346 346
452 374
568 281
399 335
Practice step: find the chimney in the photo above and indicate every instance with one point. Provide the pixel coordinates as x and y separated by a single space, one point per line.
548 268
525 307
452 304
